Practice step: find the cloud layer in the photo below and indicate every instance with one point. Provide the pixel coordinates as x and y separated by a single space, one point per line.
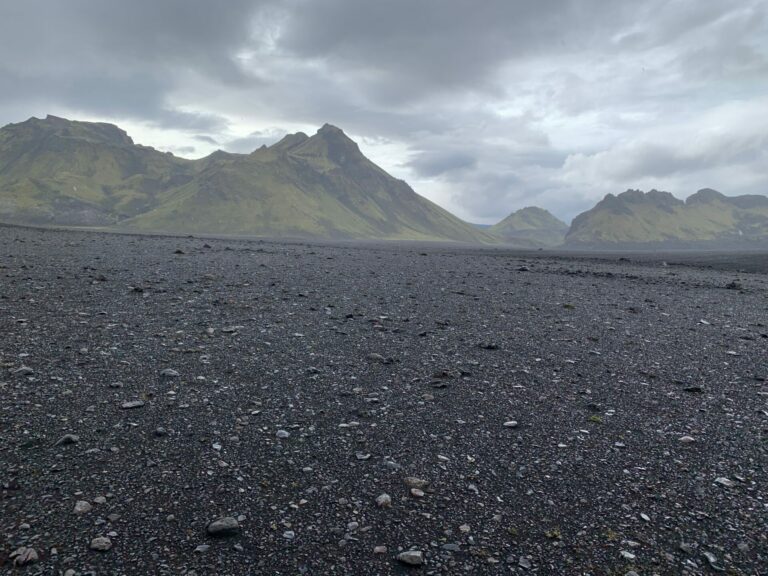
484 107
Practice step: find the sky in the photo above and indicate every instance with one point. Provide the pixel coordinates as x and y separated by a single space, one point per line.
481 106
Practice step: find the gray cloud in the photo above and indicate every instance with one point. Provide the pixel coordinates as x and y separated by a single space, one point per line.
483 107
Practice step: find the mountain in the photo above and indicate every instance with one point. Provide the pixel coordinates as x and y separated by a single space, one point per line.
318 186
55 171
634 219
61 172
532 225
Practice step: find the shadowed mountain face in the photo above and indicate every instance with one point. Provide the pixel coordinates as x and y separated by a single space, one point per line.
705 219
56 171
533 226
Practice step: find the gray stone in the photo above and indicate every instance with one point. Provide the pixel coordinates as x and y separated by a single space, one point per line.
82 507
223 527
411 557
130 404
101 544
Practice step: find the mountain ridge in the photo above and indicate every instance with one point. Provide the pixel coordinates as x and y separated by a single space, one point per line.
707 218
58 171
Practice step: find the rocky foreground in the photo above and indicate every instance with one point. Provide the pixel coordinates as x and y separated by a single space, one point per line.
199 406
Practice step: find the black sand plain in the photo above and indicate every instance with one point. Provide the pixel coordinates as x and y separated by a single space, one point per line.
601 414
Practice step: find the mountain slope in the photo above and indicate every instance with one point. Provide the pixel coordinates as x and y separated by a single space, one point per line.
637 219
532 225
319 186
62 172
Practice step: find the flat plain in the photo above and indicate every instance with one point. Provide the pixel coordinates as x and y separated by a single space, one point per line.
523 412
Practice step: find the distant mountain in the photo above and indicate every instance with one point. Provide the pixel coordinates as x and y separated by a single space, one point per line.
61 172
634 219
531 225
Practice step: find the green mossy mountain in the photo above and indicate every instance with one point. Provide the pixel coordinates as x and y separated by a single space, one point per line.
531 225
61 172
56 171
634 219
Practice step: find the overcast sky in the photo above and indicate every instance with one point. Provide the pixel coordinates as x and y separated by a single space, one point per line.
482 106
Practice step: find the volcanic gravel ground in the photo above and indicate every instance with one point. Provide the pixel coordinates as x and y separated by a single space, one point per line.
302 382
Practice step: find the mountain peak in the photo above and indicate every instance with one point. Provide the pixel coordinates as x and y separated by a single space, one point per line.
94 132
329 144
703 196
532 224
329 129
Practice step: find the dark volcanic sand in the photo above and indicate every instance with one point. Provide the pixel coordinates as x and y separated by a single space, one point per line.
604 363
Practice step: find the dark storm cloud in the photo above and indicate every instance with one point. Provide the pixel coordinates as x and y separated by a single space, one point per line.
484 106
206 139
431 164
120 58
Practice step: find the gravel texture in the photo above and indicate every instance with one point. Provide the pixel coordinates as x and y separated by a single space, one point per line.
214 406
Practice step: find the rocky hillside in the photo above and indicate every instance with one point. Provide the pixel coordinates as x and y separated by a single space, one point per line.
531 225
61 172
708 218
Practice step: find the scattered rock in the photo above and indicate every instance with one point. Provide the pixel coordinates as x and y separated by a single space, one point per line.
67 439
413 482
223 527
131 404
24 555
411 557
82 507
101 544
384 501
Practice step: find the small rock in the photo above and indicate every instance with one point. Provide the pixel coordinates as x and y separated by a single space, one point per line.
413 482
411 557
524 562
627 555
686 439
510 424
23 556
169 373
203 548
283 434
712 559
82 507
723 481
130 404
101 544
384 501
417 493
223 527
380 550
67 439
